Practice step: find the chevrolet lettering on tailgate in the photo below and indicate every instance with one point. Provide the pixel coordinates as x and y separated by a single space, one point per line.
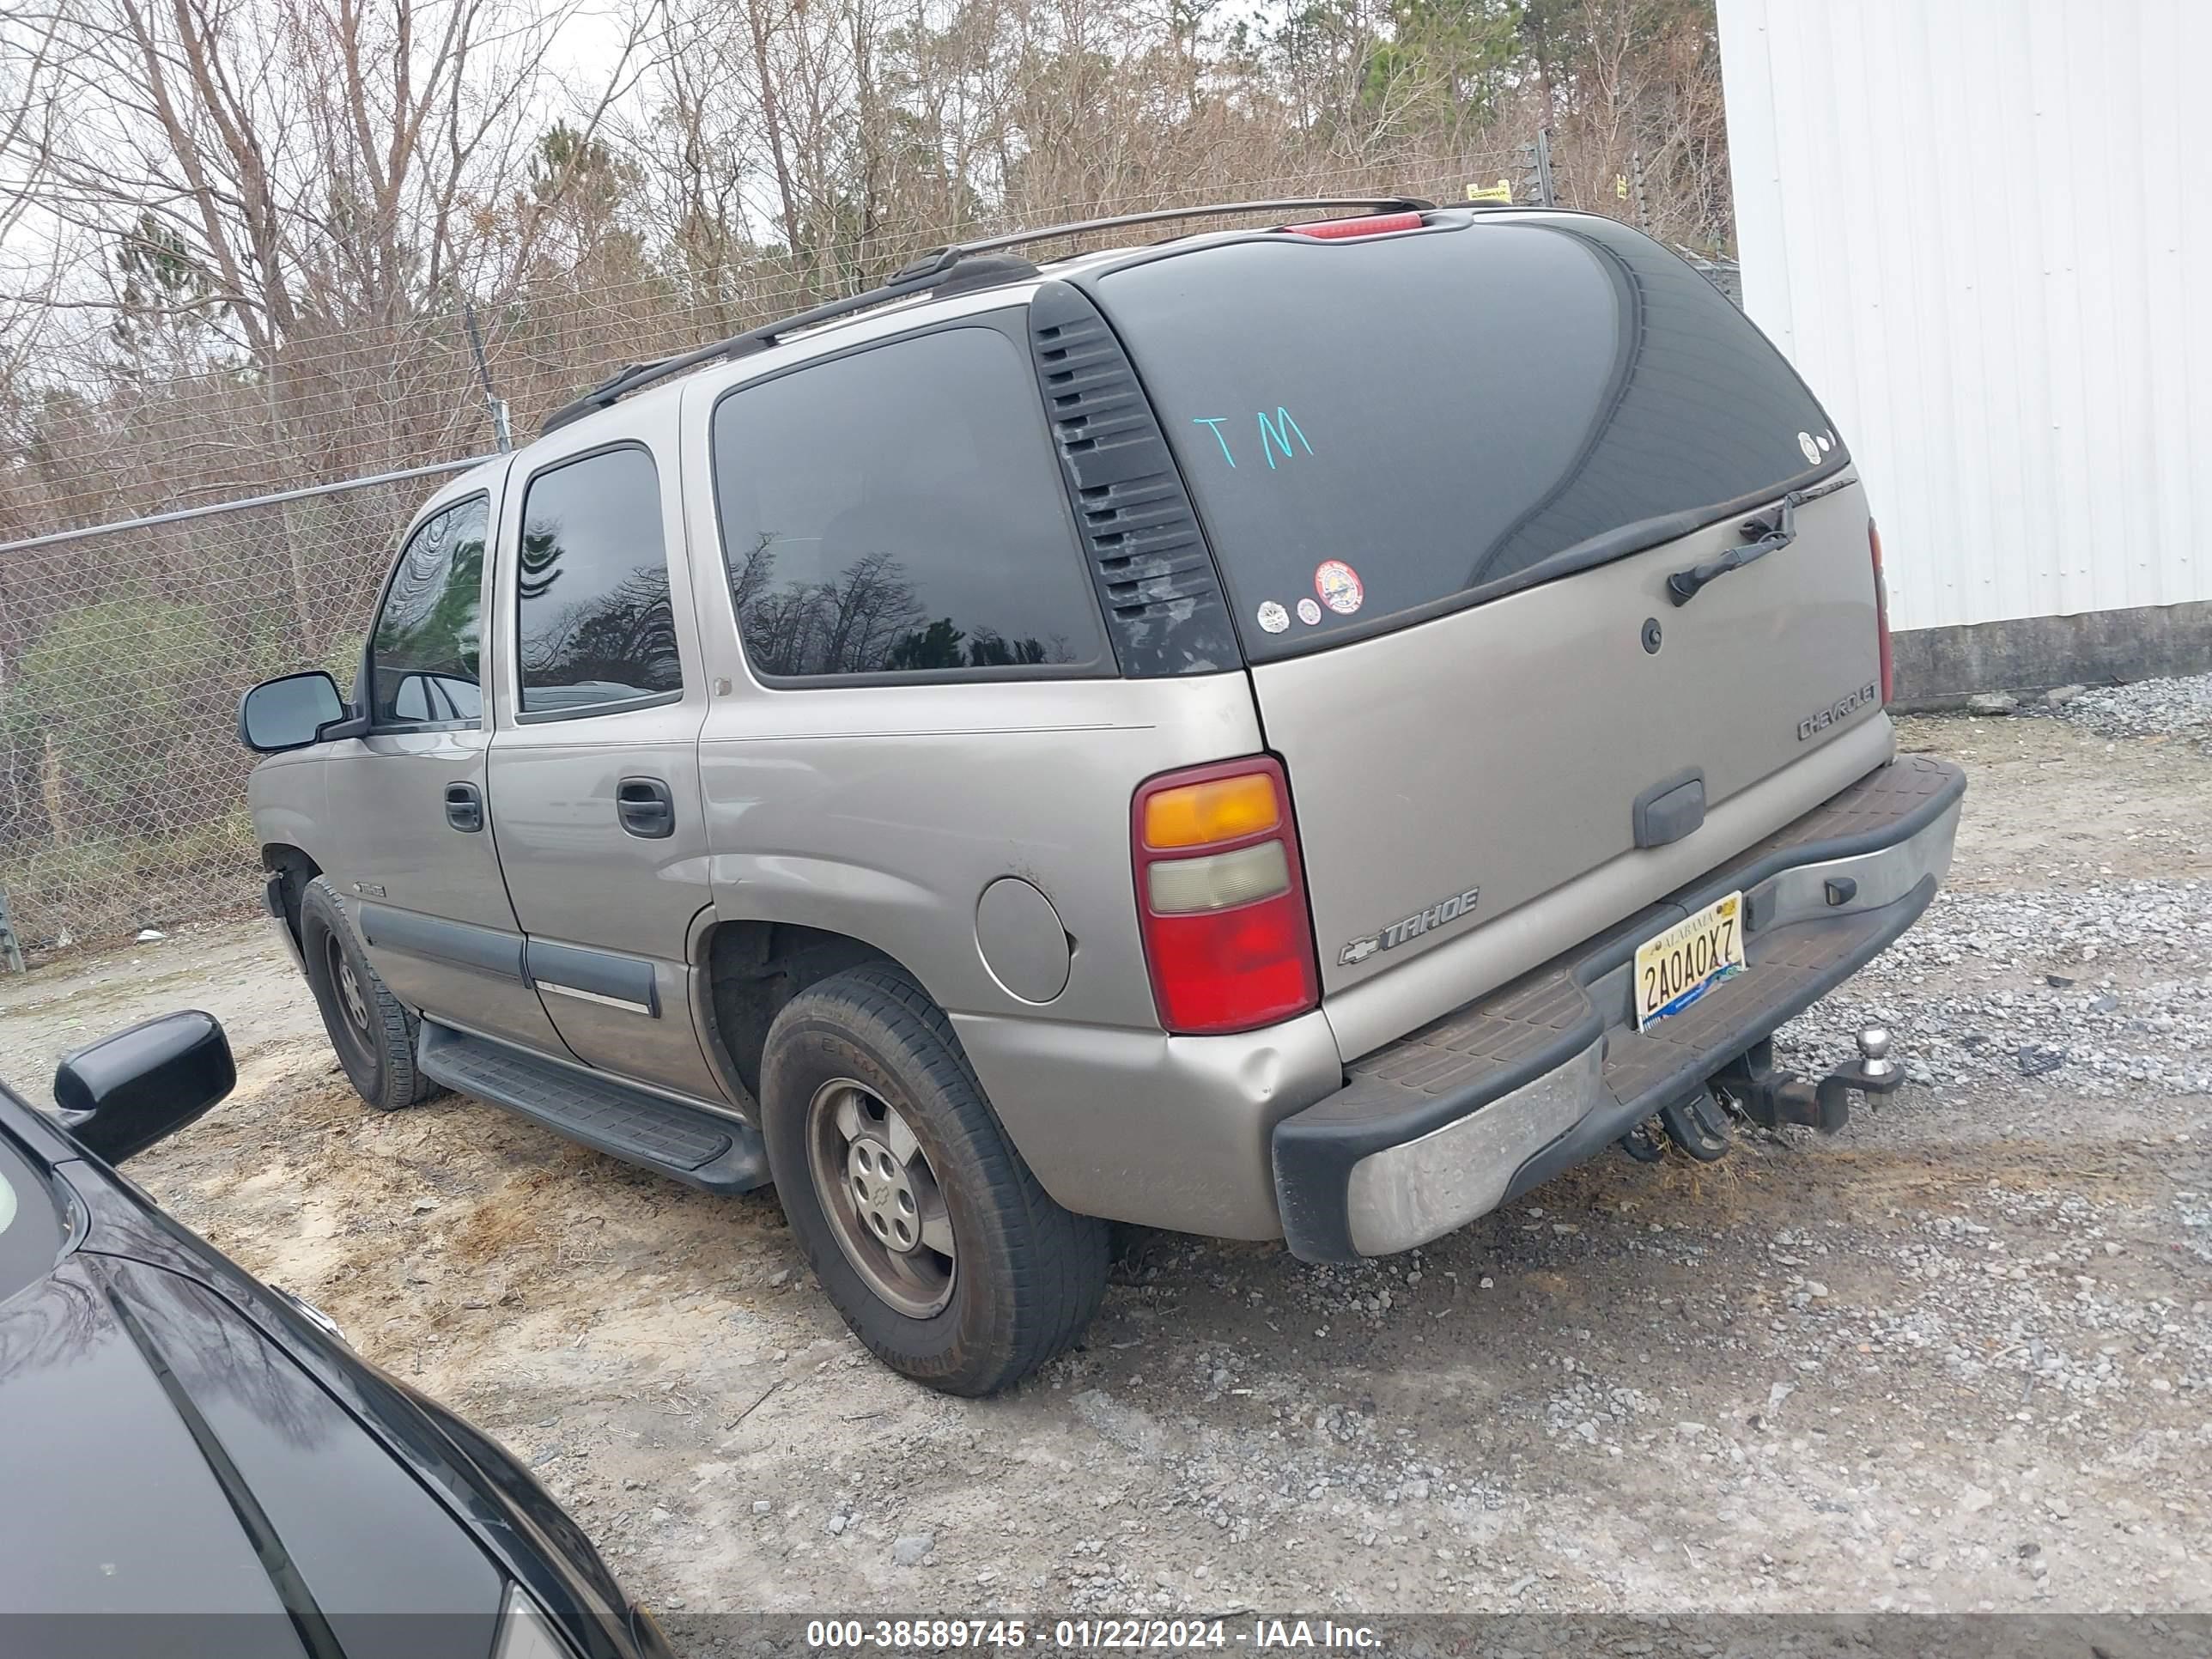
1838 712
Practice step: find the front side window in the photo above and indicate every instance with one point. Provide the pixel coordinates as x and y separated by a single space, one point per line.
900 511
594 623
424 653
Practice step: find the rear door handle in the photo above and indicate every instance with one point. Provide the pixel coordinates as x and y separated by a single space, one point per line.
464 807
646 808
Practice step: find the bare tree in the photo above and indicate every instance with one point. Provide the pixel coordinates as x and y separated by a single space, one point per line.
316 165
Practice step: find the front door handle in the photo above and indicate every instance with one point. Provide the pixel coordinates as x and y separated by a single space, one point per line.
464 807
646 807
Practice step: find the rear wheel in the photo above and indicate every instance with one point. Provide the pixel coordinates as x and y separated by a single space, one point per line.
372 1035
919 1217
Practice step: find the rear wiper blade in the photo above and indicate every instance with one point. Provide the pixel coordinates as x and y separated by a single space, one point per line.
1767 534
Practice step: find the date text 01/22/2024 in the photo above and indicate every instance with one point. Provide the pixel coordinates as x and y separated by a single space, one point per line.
1089 1635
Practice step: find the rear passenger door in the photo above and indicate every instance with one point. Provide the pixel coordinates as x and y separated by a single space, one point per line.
411 848
594 773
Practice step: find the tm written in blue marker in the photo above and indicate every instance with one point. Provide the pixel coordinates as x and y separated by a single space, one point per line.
1274 434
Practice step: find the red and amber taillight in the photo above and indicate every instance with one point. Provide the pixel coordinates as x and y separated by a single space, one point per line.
1880 609
1221 898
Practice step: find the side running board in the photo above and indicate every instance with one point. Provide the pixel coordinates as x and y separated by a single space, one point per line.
694 1145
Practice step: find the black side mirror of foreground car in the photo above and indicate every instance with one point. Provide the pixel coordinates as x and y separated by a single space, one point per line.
120 1095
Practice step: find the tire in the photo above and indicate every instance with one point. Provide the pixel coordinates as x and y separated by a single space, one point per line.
1024 1276
372 1035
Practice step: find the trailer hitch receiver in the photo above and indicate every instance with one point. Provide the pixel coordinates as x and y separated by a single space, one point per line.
1770 1097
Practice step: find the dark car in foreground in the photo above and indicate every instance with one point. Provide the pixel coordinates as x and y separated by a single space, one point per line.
193 1462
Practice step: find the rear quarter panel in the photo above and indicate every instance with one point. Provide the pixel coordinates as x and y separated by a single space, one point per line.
884 812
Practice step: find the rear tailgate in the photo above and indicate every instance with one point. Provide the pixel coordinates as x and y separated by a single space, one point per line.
1503 748
1446 475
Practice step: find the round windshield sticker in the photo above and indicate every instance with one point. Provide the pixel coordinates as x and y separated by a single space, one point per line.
1823 441
1338 584
1309 612
1812 449
1273 617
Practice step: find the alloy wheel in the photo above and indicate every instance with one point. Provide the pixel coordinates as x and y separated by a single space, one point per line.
881 1196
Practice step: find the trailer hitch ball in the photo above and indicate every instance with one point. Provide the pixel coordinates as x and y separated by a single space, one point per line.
1874 1053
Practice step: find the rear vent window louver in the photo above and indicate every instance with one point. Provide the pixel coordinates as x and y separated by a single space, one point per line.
1164 608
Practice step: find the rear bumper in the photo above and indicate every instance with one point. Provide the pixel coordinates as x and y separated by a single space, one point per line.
1445 1124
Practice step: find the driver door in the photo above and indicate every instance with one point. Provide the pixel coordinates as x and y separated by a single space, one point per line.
413 838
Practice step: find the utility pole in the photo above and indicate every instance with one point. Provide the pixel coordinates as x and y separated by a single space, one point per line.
494 406
1636 185
1536 174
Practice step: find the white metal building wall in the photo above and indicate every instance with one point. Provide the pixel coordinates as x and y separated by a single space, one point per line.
1981 229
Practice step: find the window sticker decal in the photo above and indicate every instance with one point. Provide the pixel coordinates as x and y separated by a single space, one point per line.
1340 586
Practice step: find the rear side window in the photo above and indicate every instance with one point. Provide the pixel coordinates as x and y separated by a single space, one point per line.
594 624
423 654
899 512
1387 427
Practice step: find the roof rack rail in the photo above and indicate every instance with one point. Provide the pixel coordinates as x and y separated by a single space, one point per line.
635 377
942 258
935 269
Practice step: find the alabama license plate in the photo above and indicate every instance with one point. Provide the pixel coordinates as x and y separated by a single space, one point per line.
1687 961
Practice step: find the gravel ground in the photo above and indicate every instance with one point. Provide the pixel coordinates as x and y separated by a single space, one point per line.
2148 708
1957 1358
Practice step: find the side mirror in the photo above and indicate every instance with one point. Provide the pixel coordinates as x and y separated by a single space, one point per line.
120 1095
289 711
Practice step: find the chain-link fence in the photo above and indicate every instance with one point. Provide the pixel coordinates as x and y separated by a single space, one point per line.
121 781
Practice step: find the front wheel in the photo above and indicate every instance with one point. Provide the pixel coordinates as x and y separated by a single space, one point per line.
919 1217
373 1034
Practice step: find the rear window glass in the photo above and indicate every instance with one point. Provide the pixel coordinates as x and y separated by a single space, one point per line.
1374 427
